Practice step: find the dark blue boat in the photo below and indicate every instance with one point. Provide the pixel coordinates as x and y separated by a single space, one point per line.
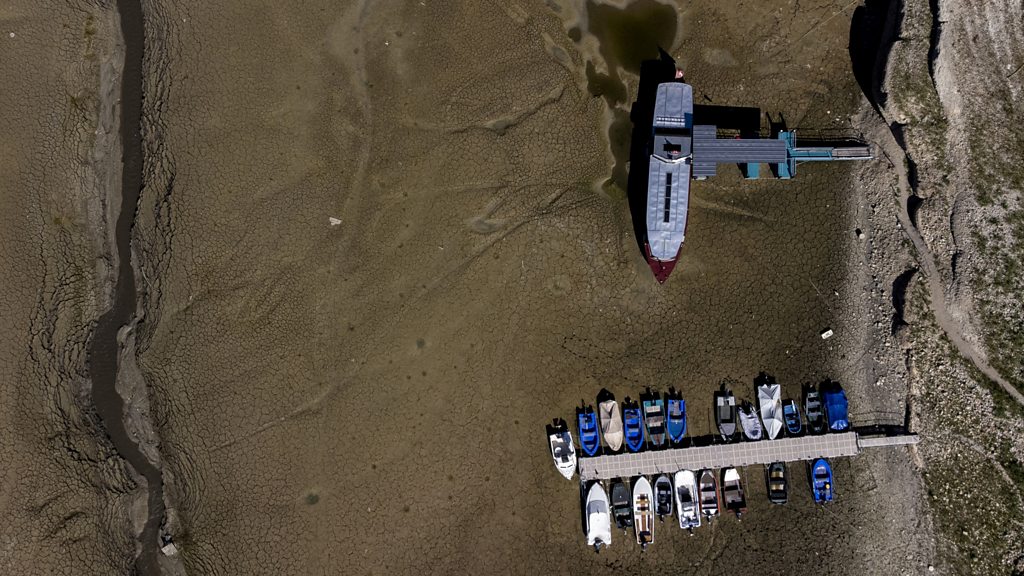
676 418
590 437
821 481
633 422
791 414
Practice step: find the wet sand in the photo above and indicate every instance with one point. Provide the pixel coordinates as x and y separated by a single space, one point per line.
371 397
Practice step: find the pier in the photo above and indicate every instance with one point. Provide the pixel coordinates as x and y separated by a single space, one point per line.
737 454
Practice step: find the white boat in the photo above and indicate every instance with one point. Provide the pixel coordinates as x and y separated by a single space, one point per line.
686 500
599 519
769 396
643 512
562 451
749 423
611 424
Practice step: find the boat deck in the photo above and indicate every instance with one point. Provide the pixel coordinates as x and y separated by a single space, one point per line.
627 465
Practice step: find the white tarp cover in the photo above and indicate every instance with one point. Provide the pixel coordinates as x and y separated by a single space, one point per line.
769 396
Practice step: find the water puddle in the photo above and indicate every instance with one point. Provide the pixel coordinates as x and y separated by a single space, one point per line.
626 37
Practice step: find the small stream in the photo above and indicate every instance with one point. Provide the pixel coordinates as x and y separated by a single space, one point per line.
103 351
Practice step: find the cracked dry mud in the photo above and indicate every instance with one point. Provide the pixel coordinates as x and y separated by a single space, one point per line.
369 396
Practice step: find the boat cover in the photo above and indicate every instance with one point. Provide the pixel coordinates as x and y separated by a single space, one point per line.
769 396
836 407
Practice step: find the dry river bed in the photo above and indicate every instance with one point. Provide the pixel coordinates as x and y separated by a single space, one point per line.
368 395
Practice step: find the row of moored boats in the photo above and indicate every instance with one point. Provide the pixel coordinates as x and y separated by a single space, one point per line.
691 496
660 422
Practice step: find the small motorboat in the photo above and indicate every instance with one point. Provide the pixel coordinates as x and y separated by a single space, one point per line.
599 520
686 500
769 396
611 424
643 512
654 418
622 507
663 497
813 410
836 406
750 423
725 413
676 418
590 438
821 481
708 495
562 450
791 414
732 492
778 490
633 422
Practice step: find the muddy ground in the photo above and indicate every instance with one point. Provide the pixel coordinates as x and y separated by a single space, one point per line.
370 397
65 496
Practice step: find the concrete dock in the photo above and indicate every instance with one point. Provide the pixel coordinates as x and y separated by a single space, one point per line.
738 454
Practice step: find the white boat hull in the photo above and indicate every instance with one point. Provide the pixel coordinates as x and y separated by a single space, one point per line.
643 512
599 519
687 507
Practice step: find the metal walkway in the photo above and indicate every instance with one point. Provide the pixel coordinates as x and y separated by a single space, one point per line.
733 455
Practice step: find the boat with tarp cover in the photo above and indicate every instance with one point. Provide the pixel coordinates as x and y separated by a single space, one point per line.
611 424
769 396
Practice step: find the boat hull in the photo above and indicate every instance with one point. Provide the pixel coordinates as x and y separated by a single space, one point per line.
676 420
662 269
590 438
599 527
687 500
643 512
634 427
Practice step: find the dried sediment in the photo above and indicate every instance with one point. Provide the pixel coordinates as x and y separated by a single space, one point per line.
946 80
66 493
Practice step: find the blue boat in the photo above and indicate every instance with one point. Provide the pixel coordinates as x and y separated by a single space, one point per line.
836 407
590 437
676 417
791 414
634 425
821 481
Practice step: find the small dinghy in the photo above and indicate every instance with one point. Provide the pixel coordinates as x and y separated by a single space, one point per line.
622 507
778 490
821 481
813 410
769 396
708 495
791 414
750 423
590 439
634 425
654 418
663 497
643 512
725 413
599 520
732 492
676 418
611 424
562 450
686 500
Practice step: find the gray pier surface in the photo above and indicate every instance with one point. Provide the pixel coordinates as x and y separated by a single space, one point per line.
733 455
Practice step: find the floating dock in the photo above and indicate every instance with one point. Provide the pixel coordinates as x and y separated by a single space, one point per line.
736 454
